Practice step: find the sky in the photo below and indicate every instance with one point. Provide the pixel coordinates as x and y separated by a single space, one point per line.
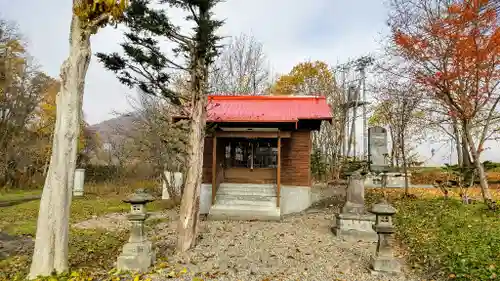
291 31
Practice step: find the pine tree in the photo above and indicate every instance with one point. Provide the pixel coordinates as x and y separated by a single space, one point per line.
145 66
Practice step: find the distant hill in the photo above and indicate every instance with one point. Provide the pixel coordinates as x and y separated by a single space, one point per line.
107 129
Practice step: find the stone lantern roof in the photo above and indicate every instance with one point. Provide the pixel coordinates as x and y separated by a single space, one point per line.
383 208
140 196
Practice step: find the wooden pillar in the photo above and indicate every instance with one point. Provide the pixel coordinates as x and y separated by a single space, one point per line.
214 168
278 173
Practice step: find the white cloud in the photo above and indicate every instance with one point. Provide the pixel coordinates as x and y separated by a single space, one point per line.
291 31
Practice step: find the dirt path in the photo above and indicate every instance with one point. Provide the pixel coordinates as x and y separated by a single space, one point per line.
13 202
14 245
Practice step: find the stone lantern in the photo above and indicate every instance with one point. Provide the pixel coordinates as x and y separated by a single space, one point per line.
353 222
138 254
384 260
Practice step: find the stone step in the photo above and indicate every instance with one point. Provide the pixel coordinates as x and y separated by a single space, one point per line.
244 212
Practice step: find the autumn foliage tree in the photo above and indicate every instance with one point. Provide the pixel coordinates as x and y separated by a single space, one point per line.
306 78
453 48
22 89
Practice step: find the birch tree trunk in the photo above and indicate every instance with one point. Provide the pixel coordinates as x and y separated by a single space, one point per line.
51 244
190 205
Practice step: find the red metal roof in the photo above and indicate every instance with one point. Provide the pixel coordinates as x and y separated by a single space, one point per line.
267 108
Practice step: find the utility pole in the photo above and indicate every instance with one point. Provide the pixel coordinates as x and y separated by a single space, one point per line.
354 92
345 112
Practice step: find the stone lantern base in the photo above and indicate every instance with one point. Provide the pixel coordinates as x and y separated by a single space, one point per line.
393 180
136 256
385 265
355 226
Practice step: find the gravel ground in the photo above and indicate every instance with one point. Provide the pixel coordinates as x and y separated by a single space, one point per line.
301 247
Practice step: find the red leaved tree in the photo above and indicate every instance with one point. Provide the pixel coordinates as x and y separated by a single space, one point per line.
453 47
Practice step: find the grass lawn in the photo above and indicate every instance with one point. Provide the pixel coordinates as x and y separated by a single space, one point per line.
92 249
446 238
21 219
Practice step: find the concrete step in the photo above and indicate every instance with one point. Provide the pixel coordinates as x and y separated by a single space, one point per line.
247 190
231 196
269 193
247 185
245 202
244 212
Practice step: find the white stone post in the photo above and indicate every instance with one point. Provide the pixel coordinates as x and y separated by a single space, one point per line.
78 183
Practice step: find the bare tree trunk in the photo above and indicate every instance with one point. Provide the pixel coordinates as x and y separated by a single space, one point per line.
165 181
190 205
170 183
51 244
459 146
394 148
485 191
405 165
467 170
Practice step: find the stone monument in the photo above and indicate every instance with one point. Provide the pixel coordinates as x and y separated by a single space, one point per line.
377 157
78 182
353 222
138 254
377 149
384 260
175 180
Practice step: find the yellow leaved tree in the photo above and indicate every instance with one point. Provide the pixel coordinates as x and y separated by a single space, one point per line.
306 78
13 100
51 243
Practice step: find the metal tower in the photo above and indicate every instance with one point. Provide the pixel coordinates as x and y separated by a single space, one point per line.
354 90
